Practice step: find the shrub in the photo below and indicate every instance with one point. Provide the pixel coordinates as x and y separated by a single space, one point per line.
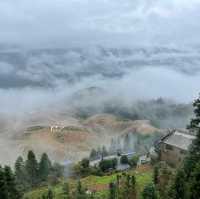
105 165
133 161
124 160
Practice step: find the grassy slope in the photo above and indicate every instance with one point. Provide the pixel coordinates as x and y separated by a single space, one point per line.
143 177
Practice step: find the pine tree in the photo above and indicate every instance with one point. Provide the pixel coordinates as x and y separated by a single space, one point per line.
93 154
194 153
80 192
32 169
104 151
194 124
11 187
3 188
186 183
20 173
179 185
195 183
44 167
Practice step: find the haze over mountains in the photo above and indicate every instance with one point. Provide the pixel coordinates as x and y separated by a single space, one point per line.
55 68
62 62
47 80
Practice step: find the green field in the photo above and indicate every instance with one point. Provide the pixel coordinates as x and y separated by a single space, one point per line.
100 184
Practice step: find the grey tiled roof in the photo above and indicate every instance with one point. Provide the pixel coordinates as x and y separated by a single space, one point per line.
179 140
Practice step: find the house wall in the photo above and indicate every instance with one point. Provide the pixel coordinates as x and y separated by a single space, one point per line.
172 155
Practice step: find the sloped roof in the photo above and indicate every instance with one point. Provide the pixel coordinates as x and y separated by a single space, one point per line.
179 139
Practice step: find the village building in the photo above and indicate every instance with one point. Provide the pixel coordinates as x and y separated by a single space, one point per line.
174 146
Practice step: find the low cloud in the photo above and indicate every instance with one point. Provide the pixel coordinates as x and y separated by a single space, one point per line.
81 22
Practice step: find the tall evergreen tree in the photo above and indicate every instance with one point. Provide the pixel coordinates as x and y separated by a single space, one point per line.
195 183
104 151
194 153
11 187
20 173
80 192
179 185
93 154
44 167
3 187
32 169
190 175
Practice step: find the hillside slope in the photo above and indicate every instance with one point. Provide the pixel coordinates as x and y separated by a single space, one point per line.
72 142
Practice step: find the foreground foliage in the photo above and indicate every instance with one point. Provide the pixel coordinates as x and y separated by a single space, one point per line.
98 186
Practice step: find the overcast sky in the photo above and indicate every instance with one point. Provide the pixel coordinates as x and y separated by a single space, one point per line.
81 22
61 23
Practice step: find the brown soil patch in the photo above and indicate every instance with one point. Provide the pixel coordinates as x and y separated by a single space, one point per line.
144 168
98 187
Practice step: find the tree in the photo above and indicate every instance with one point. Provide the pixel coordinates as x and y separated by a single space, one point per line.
85 163
50 194
190 175
133 161
44 167
149 192
124 160
104 151
66 192
195 183
20 174
11 188
194 153
155 174
179 185
128 187
56 172
93 154
3 189
80 192
133 191
105 165
32 169
164 178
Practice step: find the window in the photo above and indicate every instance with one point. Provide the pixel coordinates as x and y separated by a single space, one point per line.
169 147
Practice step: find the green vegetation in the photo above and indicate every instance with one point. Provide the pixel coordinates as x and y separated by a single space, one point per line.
8 185
28 175
106 165
99 153
124 160
182 183
98 183
44 180
150 192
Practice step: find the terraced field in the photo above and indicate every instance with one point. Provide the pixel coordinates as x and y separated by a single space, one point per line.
143 176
